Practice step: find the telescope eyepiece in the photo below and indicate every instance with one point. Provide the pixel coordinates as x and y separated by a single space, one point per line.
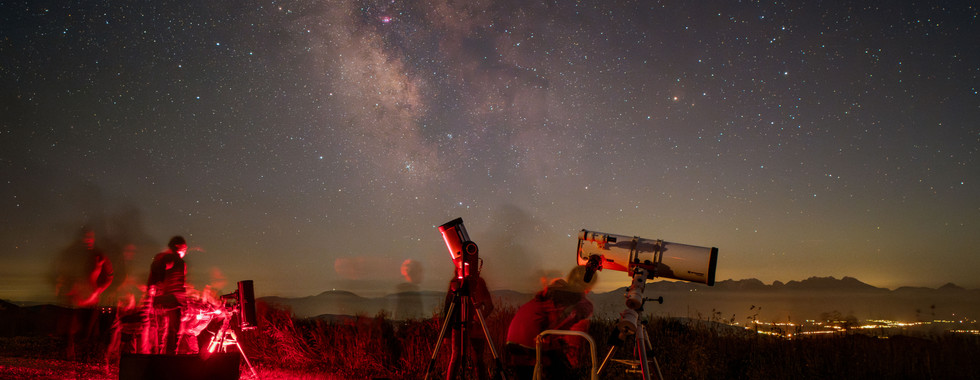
594 264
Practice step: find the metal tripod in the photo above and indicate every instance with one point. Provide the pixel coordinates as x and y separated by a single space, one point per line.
226 337
642 363
630 323
461 300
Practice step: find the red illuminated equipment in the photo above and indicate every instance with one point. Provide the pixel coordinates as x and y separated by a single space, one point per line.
466 258
464 253
246 298
242 304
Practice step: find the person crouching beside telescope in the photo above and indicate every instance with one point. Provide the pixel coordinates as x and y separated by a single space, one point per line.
562 305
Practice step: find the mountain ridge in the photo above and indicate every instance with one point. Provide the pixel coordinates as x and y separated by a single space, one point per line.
806 298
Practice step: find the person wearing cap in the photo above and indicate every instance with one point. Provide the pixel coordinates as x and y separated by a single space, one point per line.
562 305
166 288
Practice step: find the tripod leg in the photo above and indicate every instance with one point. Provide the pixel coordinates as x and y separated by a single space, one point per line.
660 376
464 338
642 353
646 339
642 343
234 338
442 333
606 360
218 340
493 350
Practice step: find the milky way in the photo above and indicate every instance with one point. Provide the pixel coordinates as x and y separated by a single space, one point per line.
310 145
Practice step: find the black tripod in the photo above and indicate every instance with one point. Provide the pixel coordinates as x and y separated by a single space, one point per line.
462 303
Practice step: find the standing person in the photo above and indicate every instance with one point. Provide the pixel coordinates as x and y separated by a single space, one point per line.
408 299
87 273
84 273
165 287
130 315
480 299
560 306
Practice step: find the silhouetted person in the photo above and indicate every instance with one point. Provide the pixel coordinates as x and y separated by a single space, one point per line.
479 297
560 306
408 300
166 288
84 273
130 314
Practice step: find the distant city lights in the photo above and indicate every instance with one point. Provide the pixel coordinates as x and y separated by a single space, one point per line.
880 328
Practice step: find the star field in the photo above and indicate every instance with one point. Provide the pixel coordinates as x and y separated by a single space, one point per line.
316 145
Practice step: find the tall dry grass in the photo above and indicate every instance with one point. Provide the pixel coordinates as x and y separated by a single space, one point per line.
376 347
369 347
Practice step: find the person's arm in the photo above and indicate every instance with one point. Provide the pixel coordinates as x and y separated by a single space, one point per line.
103 269
568 317
566 320
155 277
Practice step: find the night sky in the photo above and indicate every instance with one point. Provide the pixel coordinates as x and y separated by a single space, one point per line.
317 145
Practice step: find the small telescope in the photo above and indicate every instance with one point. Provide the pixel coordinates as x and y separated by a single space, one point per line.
466 259
245 297
599 250
463 251
244 307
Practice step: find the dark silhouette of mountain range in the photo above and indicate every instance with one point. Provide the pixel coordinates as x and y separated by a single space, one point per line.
730 300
